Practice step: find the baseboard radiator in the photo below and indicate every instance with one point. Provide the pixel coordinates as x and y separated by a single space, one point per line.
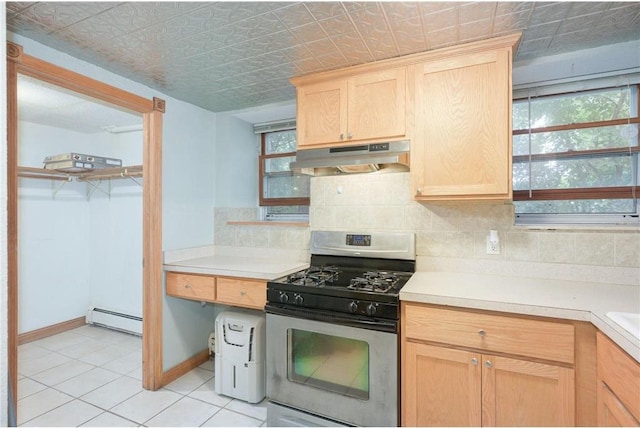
115 320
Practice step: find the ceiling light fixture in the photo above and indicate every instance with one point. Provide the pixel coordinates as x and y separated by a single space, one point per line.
120 129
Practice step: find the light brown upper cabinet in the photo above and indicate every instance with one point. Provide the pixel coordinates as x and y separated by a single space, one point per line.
462 146
334 110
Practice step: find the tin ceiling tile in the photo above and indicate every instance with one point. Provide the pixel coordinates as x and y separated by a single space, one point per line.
340 24
322 47
409 35
333 60
401 11
307 66
545 12
352 48
295 15
511 22
530 47
308 32
442 38
507 7
324 10
546 30
176 46
297 53
16 8
427 8
478 11
440 20
477 30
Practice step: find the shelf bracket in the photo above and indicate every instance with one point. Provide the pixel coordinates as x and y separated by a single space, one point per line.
92 187
55 189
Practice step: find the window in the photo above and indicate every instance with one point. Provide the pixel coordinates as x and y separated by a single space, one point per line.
575 157
284 195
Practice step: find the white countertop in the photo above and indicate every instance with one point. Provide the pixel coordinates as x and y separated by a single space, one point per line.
237 266
574 300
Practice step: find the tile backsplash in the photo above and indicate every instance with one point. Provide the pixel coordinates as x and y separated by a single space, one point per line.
448 236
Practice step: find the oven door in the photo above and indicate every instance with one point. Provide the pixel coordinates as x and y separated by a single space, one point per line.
334 371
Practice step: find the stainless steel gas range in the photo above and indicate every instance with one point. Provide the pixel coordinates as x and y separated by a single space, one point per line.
332 332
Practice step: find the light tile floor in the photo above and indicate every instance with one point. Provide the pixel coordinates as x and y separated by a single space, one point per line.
91 376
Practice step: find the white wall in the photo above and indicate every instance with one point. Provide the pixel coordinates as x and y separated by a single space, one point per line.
237 151
53 250
188 193
74 252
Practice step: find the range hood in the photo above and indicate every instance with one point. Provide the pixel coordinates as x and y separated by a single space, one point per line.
385 157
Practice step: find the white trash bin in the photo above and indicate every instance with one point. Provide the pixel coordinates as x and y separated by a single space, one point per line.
240 356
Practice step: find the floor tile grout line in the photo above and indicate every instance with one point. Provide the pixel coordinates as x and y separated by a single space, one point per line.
120 375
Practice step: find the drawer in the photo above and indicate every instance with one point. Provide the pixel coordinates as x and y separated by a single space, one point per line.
487 332
189 286
242 292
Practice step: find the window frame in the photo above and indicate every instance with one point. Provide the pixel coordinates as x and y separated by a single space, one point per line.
270 202
617 192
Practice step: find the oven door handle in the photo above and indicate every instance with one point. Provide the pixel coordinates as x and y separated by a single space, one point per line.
390 326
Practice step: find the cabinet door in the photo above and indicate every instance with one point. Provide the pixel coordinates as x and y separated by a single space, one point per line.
524 393
611 411
618 384
322 113
377 105
440 386
462 149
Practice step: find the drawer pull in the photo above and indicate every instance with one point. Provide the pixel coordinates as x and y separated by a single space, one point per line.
474 361
187 285
482 333
243 293
488 364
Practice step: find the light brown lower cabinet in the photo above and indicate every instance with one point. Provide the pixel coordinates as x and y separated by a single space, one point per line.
242 292
451 387
446 382
618 385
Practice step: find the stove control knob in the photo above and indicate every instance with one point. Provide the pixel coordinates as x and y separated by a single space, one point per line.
371 309
284 297
297 299
353 307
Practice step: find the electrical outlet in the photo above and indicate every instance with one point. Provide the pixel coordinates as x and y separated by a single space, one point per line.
493 242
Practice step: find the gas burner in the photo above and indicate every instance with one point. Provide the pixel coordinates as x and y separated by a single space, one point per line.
315 276
379 282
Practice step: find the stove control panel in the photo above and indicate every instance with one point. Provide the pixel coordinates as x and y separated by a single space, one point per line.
343 305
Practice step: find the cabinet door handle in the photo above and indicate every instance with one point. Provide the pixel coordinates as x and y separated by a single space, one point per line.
474 361
488 364
187 285
342 136
243 293
482 333
419 191
349 135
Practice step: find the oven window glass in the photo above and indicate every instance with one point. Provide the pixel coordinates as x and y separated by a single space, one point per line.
332 363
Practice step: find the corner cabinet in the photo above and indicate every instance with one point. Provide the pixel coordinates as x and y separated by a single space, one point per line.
618 385
464 368
336 110
462 147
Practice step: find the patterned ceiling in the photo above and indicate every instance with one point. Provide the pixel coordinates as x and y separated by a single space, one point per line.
226 56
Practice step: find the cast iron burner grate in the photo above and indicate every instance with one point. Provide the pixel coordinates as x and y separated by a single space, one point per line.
315 276
380 282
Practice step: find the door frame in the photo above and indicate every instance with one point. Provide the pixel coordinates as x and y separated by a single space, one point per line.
152 111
